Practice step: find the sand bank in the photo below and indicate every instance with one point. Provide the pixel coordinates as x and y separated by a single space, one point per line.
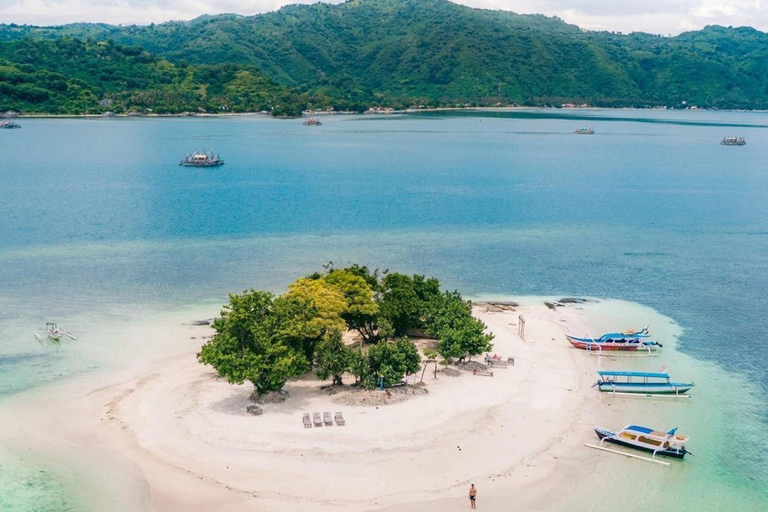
184 440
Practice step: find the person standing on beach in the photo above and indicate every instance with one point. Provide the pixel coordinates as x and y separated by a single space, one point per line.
472 495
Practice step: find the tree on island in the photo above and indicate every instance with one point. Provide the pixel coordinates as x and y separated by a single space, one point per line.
262 339
390 362
449 319
333 358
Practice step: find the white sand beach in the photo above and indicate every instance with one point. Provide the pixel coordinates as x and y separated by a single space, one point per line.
184 442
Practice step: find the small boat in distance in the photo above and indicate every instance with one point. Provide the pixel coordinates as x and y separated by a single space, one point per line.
202 159
312 122
9 125
641 382
733 141
646 439
584 130
51 332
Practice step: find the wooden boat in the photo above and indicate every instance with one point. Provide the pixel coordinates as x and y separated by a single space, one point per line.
584 130
646 439
202 159
641 382
733 141
9 125
52 332
312 122
625 341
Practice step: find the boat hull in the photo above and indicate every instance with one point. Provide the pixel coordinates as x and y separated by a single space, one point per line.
642 388
609 437
610 345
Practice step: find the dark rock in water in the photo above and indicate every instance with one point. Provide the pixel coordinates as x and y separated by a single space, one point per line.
550 305
573 300
270 397
201 322
255 410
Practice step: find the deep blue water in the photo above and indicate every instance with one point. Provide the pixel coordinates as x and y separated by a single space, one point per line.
98 221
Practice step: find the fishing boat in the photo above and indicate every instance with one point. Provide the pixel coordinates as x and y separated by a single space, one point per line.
202 159
584 130
641 383
51 332
646 439
625 341
9 125
312 122
733 141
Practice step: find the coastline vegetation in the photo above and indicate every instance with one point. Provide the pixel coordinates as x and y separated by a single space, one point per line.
373 53
267 339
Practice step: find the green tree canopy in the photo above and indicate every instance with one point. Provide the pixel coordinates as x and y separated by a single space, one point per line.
449 319
392 361
262 339
333 358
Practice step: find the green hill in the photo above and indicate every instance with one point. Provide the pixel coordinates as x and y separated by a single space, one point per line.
433 52
66 75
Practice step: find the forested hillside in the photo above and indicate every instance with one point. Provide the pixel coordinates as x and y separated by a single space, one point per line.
433 52
68 75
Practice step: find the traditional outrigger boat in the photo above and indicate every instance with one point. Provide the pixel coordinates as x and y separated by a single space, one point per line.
202 159
584 130
52 332
625 341
643 383
669 444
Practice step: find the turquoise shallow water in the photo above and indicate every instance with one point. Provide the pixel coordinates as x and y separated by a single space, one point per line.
101 228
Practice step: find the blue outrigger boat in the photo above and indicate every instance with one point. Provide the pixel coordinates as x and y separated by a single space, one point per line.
641 383
646 439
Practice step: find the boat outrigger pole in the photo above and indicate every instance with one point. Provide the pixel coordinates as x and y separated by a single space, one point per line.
632 455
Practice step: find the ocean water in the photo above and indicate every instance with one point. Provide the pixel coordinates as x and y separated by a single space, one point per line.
100 229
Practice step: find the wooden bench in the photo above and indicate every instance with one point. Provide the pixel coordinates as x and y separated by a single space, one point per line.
486 373
498 362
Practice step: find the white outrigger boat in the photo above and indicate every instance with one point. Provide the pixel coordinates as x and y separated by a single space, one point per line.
642 384
52 332
645 439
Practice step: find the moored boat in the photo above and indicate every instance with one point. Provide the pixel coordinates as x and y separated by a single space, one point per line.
52 332
584 130
9 125
312 122
625 341
733 141
202 159
641 382
646 439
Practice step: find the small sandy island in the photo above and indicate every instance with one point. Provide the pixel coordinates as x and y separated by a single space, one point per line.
199 449
185 436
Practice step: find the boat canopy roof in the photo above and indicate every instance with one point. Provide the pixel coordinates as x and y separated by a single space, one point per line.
634 374
646 430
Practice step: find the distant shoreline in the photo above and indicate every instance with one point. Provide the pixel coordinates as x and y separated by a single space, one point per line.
377 113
